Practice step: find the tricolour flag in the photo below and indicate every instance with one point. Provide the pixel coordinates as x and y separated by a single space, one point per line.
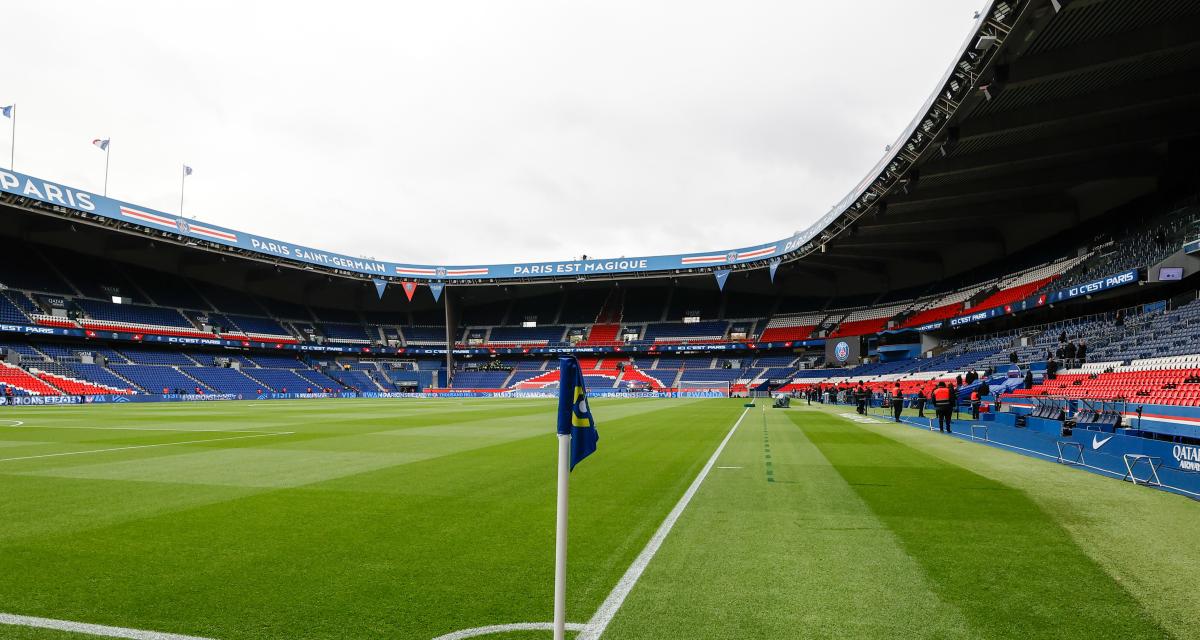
102 143
574 416
7 111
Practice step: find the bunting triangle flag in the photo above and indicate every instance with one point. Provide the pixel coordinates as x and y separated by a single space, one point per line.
409 289
380 285
722 276
436 289
774 268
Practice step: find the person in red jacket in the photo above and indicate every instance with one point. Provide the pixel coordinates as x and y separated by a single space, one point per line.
943 403
897 402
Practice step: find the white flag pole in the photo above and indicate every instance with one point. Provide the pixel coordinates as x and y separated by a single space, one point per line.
560 538
107 151
182 186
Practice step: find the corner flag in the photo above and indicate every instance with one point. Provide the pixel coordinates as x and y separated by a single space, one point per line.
574 416
576 440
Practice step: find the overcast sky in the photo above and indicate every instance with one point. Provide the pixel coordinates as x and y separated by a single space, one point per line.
476 132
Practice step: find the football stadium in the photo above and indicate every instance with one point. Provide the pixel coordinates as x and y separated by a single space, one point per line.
963 403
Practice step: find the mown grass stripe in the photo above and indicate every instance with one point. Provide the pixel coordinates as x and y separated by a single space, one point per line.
986 548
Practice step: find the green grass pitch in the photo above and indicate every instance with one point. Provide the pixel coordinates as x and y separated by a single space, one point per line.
410 519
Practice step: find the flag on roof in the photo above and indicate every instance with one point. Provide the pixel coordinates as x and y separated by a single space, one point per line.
7 111
102 143
187 171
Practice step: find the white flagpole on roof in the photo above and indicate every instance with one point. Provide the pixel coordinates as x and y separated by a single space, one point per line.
182 186
107 151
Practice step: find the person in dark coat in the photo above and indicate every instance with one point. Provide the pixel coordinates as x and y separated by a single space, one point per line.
1029 378
897 402
920 403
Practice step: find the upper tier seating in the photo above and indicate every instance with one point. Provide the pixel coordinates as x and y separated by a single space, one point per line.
10 313
694 302
540 309
134 314
690 332
346 333
642 305
23 268
520 335
166 290
251 325
424 335
157 356
791 327
582 306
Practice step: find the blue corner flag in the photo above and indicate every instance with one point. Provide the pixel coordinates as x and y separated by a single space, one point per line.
574 416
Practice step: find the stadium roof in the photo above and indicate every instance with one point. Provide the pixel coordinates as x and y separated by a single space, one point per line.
1052 114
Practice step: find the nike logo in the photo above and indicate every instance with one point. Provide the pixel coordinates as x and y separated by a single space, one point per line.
1097 442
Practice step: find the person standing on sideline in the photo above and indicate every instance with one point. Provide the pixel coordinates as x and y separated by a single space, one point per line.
920 403
897 402
975 404
942 405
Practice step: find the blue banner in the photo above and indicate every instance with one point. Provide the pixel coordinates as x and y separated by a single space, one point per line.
374 350
1099 285
92 204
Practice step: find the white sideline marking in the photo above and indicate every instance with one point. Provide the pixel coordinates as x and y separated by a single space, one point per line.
13 423
145 446
604 615
506 628
93 629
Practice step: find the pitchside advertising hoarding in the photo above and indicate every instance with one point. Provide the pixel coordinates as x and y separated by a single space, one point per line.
96 205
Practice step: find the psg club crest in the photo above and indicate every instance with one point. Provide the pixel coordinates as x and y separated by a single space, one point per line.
441 272
731 256
841 351
182 225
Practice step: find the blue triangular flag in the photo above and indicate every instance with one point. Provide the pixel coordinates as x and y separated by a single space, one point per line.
722 276
380 285
774 268
574 416
436 289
